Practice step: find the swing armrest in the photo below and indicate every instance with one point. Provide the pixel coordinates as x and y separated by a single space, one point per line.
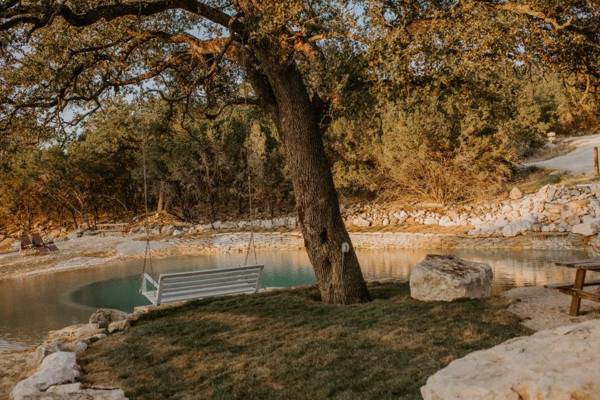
149 279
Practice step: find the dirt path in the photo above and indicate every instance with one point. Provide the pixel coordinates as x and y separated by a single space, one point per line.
577 161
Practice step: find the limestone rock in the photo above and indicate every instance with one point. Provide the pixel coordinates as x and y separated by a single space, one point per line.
58 368
546 193
586 228
118 325
104 316
517 227
446 278
446 221
515 193
361 222
556 364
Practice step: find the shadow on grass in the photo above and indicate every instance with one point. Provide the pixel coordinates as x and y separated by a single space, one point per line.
285 345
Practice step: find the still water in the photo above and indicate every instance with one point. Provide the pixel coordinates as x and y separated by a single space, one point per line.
30 307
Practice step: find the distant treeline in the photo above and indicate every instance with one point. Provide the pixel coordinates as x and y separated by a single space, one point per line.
446 140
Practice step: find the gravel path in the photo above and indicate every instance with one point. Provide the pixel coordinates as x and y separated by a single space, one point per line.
580 160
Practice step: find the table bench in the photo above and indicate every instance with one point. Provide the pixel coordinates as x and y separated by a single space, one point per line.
575 290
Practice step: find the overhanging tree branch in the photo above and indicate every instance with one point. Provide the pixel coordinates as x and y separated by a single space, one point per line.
14 13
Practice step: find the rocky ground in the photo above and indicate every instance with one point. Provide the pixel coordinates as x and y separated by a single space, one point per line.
542 308
51 371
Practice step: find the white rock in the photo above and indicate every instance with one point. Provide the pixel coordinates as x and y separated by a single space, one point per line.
514 215
556 364
586 228
361 222
58 368
446 278
446 221
517 227
266 224
546 193
430 221
515 193
400 217
475 221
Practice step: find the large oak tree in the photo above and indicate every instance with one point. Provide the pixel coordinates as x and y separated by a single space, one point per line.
277 55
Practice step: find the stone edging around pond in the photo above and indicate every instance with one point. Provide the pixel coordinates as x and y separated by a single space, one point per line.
53 364
552 209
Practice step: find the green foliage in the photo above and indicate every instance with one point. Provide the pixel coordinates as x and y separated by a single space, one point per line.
199 170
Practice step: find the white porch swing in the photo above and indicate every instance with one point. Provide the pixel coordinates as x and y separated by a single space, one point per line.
193 285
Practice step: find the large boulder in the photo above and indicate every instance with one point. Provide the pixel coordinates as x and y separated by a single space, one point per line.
556 364
58 368
446 278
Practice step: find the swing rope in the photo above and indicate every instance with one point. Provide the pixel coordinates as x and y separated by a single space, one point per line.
251 215
147 249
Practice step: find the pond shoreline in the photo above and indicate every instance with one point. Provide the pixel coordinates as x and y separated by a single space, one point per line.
95 251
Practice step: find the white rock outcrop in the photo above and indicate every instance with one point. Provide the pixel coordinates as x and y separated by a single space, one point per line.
556 364
446 278
58 368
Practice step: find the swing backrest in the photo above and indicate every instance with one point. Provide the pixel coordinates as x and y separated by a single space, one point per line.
202 284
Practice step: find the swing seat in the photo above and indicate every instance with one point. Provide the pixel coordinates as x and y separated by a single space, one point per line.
195 285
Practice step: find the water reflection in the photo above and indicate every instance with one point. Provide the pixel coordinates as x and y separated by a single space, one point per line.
32 306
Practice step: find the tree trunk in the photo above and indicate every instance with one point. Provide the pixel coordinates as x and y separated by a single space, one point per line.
161 197
338 274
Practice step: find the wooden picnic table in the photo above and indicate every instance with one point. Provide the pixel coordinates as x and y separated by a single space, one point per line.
576 290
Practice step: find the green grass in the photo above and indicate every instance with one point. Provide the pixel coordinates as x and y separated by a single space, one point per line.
287 345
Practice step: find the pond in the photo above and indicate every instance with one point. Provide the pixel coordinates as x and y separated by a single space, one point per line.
30 307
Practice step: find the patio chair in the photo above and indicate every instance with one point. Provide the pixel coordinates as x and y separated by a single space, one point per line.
26 243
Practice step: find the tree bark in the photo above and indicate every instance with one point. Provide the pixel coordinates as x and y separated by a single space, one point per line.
338 274
160 206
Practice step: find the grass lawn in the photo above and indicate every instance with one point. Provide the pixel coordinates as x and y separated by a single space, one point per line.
287 345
